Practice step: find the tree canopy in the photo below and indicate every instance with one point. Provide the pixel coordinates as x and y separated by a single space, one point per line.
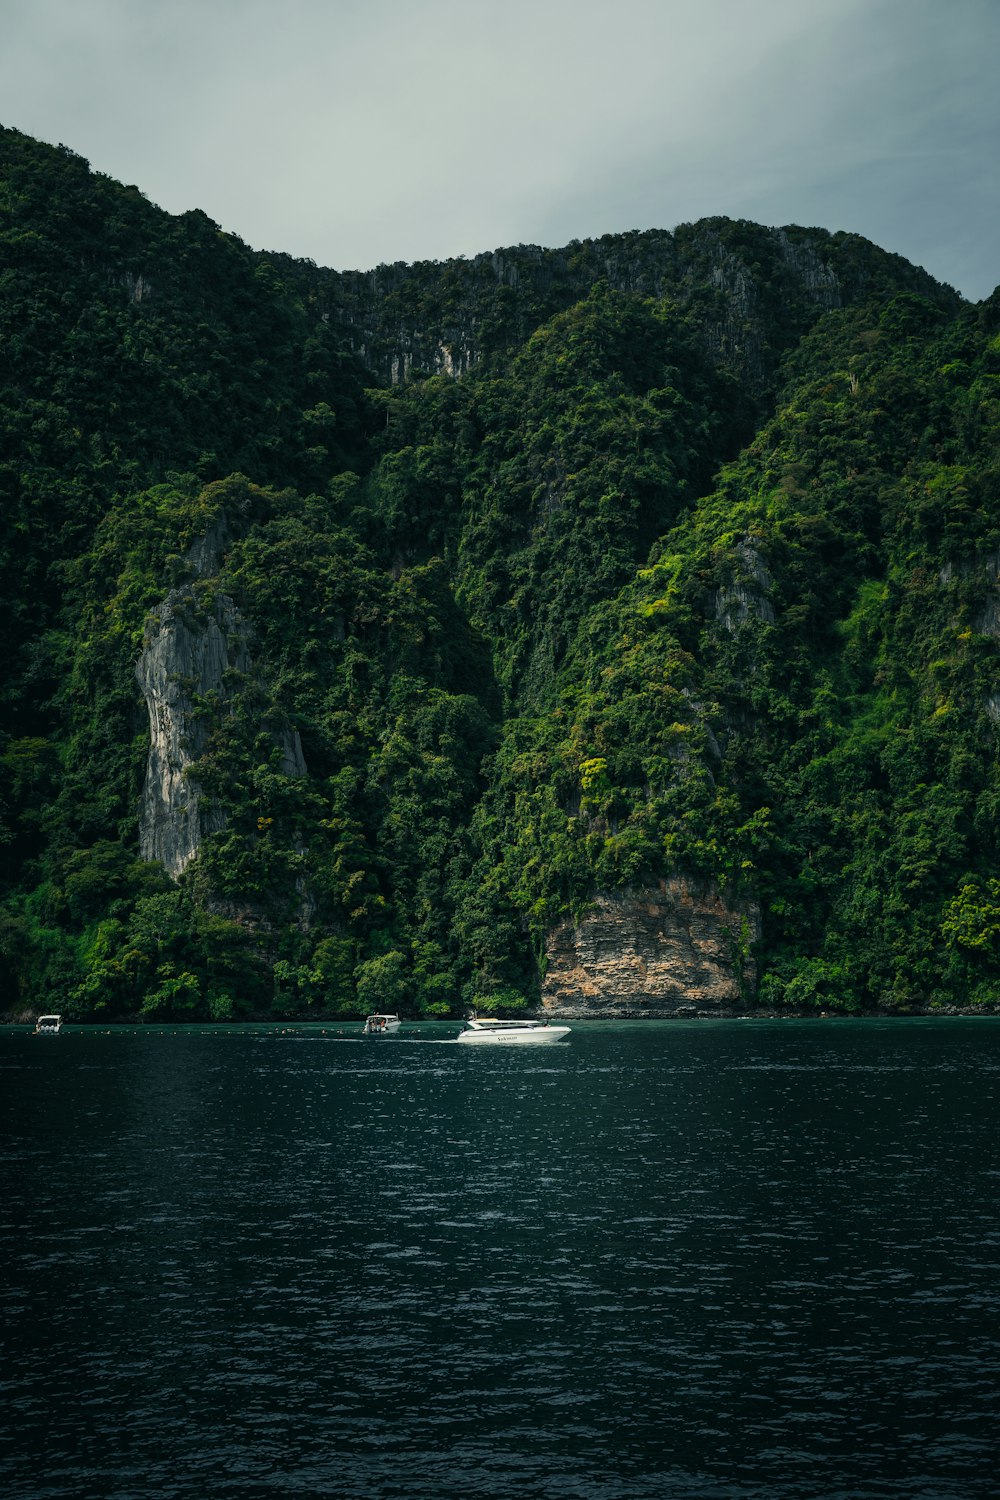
689 564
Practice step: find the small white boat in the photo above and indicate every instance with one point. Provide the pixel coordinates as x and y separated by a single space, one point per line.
487 1030
381 1025
48 1026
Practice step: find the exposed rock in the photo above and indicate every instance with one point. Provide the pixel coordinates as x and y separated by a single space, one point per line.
988 622
205 554
185 655
814 273
455 361
669 950
745 597
989 567
293 762
137 287
445 317
191 643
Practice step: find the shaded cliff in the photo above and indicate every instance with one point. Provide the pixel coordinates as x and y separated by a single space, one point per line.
749 293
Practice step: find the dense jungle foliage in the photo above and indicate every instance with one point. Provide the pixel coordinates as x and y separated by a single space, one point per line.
694 568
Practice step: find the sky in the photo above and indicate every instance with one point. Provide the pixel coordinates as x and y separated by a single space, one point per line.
356 132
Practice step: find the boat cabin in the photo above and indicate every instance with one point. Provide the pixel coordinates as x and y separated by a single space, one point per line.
380 1024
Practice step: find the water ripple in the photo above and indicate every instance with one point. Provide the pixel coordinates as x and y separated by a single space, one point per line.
718 1262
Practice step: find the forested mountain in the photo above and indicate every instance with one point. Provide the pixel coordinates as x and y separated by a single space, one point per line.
613 628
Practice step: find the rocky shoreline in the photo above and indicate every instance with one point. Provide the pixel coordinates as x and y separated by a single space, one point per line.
681 1013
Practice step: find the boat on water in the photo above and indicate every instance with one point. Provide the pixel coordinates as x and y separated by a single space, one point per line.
477 1032
47 1026
378 1024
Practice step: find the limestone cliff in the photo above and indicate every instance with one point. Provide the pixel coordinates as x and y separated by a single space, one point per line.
670 950
745 595
186 654
192 641
749 292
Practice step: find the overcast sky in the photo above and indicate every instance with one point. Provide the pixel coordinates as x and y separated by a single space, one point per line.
361 131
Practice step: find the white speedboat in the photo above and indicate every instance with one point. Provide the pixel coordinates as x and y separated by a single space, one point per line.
381 1025
478 1032
48 1025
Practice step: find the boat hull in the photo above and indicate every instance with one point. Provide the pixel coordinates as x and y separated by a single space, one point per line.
534 1037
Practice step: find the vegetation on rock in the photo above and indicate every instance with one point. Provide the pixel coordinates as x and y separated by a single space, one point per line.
694 568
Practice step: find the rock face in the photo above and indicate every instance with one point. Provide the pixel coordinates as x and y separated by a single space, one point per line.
745 596
671 950
465 305
446 317
184 656
192 641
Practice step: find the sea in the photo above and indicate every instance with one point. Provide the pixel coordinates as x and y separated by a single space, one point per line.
717 1260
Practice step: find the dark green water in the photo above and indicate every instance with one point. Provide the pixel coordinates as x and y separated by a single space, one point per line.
686 1260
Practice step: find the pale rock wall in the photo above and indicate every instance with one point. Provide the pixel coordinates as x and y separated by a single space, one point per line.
185 655
668 950
191 642
745 596
815 274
